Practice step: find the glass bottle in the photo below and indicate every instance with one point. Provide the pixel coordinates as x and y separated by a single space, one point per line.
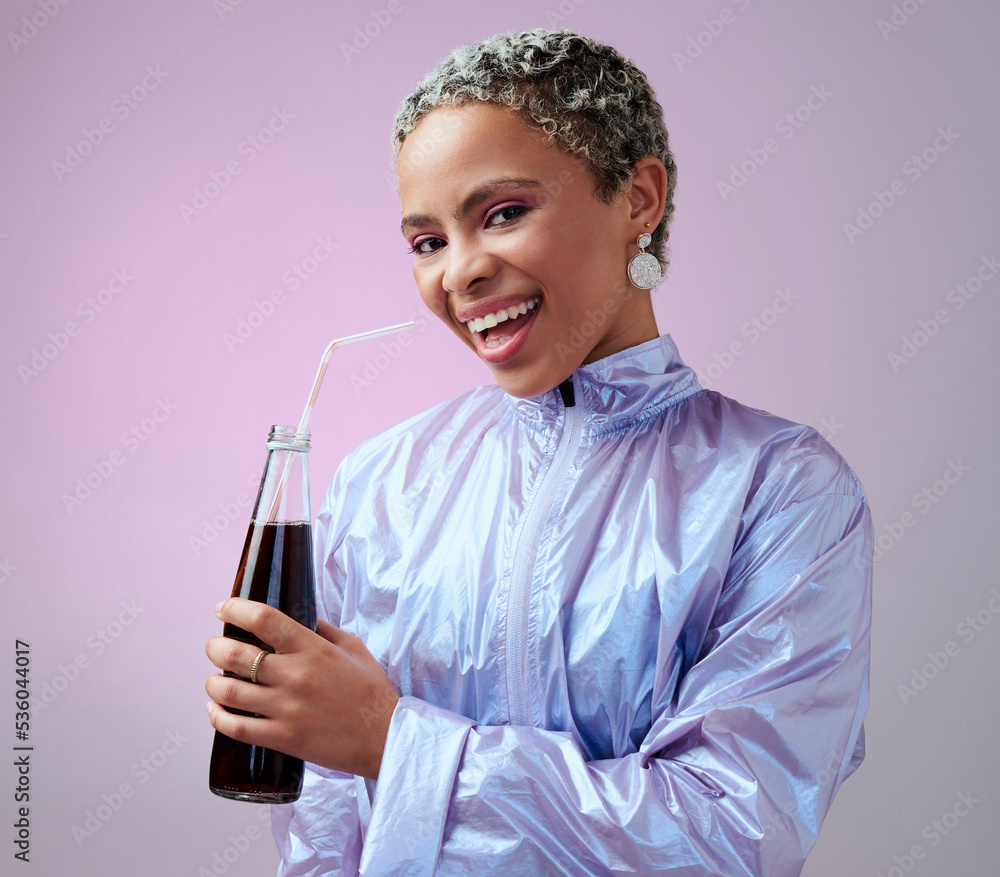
277 569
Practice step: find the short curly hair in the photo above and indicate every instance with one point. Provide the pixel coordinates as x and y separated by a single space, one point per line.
587 97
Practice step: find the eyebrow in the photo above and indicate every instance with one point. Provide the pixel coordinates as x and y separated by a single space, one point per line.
471 201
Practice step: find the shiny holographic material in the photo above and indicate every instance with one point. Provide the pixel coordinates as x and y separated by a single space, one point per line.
631 636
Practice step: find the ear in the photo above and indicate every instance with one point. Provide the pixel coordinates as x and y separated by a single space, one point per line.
647 195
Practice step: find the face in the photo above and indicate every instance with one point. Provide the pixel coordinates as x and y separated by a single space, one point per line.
513 250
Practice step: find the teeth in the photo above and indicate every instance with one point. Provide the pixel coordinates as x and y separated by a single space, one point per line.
490 320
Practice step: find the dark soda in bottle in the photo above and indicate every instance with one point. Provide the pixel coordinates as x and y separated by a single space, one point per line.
276 568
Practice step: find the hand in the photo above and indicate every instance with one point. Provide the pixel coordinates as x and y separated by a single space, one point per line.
322 696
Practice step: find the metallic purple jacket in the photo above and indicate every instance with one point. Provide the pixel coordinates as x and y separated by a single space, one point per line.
631 635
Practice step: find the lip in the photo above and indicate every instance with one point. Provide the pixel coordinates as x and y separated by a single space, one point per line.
481 309
507 351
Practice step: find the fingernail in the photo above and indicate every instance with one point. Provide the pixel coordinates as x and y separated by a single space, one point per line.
218 606
208 707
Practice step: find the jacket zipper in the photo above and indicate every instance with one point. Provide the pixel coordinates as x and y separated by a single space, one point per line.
518 671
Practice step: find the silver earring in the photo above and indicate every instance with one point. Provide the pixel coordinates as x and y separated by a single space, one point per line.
644 268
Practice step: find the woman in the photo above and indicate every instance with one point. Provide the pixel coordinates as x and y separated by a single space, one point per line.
592 620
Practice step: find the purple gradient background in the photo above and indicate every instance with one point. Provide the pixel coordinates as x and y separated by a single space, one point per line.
825 361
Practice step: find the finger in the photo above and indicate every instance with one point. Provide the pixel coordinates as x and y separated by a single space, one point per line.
237 657
246 729
265 622
239 694
331 633
350 643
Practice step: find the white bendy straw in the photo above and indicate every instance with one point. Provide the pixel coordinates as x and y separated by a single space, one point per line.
320 374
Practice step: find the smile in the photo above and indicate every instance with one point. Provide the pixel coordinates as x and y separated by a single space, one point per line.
488 321
500 335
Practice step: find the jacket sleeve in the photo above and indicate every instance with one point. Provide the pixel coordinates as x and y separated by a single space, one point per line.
739 767
320 834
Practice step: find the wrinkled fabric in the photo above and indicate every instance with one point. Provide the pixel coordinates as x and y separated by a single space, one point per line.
631 636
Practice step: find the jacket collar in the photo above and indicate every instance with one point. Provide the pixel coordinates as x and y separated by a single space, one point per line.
613 393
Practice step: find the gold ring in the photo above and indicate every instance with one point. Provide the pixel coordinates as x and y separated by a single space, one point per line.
255 665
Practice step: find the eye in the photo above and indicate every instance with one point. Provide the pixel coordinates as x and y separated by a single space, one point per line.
425 246
508 214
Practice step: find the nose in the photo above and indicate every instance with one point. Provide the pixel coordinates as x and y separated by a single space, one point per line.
469 264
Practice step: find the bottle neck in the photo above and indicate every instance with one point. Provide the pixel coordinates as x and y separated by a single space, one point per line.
289 438
284 488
